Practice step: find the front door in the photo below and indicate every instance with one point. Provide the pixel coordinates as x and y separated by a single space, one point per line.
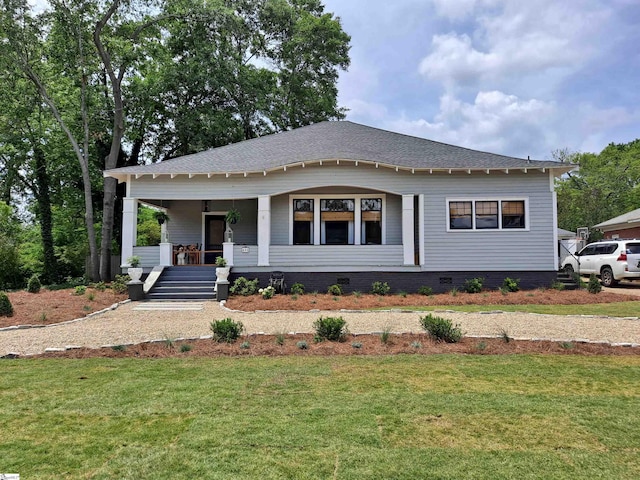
213 237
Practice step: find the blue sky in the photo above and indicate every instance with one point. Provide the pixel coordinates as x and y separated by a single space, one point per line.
520 78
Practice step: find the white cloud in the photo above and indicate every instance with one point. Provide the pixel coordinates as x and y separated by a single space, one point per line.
514 40
494 122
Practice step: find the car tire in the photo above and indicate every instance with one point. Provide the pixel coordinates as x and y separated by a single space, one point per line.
568 269
606 277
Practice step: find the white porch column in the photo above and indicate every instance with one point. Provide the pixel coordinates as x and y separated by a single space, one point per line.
408 230
129 228
264 229
227 252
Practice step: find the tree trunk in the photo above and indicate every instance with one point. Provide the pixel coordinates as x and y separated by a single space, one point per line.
43 197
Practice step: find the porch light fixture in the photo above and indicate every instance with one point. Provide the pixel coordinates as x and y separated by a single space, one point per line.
205 205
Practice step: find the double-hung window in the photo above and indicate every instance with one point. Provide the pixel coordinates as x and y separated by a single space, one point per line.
303 221
336 221
486 214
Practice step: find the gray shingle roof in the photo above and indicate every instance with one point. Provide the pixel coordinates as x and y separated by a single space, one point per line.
622 220
333 141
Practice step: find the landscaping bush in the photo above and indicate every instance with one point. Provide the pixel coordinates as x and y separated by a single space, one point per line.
380 288
334 289
6 309
244 287
330 328
119 285
80 290
510 285
267 292
34 285
297 289
226 330
473 285
424 290
594 285
441 329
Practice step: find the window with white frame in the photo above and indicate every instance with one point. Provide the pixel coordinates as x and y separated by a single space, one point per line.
487 214
337 219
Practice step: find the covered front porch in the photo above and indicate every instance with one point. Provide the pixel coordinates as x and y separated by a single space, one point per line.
267 236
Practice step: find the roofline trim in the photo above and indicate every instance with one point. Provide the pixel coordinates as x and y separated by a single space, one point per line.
561 168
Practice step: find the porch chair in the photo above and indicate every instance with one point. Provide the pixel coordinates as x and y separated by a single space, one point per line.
276 280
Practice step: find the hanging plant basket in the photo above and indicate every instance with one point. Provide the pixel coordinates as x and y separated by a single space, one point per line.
232 216
160 216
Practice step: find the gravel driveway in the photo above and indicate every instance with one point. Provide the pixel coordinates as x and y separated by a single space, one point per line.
136 322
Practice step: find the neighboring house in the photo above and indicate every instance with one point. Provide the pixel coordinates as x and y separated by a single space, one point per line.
623 226
339 202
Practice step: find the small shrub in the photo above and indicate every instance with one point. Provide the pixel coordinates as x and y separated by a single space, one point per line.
482 346
34 285
441 329
79 290
402 293
385 336
504 335
334 289
356 345
380 288
100 286
6 309
453 292
168 342
473 285
43 317
245 345
356 293
331 328
267 292
91 297
510 285
557 286
87 308
226 330
302 345
244 287
426 291
297 289
280 339
416 345
118 348
567 345
594 285
294 296
119 285
185 347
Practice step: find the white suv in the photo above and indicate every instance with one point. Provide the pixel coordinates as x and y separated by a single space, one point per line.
611 260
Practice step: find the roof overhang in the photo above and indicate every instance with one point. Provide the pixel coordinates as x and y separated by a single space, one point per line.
148 171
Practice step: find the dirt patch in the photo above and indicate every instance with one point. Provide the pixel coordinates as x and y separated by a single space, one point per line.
55 306
313 301
269 345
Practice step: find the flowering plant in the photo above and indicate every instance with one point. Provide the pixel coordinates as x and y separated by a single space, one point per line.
267 292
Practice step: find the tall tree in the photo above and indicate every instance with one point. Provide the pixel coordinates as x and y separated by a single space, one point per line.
603 186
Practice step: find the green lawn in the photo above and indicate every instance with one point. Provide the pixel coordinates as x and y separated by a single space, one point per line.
618 309
442 416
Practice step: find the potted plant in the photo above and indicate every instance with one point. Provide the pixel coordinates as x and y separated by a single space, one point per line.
134 271
232 216
222 271
160 216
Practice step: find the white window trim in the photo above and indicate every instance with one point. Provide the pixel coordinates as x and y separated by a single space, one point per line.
357 235
473 228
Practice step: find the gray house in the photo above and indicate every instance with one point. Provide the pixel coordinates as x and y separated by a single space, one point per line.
339 202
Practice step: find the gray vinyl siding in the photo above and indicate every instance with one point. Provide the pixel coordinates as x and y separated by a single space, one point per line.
393 219
490 250
280 220
245 259
328 255
149 256
185 222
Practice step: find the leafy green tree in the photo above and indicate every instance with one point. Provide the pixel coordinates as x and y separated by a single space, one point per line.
603 186
10 229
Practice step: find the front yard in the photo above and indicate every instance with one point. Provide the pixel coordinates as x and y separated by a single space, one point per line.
402 417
